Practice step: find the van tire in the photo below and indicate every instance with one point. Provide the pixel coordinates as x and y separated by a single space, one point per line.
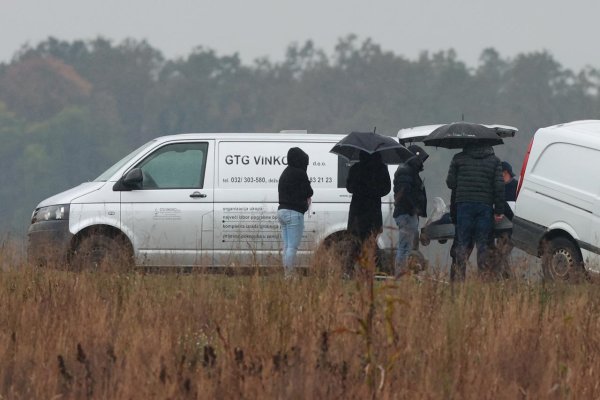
561 261
342 250
101 252
338 249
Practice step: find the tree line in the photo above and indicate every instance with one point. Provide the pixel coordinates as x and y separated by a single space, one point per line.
68 110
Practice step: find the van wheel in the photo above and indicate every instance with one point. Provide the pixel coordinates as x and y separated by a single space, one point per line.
561 261
339 249
102 253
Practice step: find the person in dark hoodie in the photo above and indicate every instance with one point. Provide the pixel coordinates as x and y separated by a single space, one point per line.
368 181
295 195
475 176
410 203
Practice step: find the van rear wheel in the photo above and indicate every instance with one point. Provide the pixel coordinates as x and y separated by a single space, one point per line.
339 249
561 261
342 249
103 253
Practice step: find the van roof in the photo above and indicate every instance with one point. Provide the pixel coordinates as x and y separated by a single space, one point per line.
252 135
587 126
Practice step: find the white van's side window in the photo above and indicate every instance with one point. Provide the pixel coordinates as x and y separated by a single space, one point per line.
175 166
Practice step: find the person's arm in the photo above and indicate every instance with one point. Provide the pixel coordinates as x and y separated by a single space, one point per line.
402 184
453 207
508 212
451 178
510 190
498 191
423 212
351 179
307 187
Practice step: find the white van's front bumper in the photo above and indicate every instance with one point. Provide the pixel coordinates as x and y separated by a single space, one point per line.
49 242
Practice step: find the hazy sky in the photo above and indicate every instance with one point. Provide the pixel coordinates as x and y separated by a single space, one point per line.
570 30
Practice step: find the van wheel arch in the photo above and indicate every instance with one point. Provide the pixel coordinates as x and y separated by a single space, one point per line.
337 248
551 235
105 236
344 246
334 238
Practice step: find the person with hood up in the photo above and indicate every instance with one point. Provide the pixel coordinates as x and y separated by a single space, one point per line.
475 177
295 195
410 203
368 181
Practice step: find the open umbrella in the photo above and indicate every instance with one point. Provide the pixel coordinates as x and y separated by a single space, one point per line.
418 133
461 134
391 151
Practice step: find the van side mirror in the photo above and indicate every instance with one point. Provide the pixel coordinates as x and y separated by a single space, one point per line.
131 180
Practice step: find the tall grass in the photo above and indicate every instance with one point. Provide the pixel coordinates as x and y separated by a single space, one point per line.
137 336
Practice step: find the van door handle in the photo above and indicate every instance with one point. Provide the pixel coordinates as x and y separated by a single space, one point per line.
197 195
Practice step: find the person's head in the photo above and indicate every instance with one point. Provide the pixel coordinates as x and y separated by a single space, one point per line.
507 172
363 156
297 158
369 159
418 152
375 158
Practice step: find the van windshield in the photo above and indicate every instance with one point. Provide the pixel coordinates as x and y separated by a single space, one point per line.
111 171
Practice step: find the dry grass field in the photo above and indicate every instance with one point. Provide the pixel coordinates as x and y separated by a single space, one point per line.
66 335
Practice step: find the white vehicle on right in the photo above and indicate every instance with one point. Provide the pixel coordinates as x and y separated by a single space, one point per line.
557 212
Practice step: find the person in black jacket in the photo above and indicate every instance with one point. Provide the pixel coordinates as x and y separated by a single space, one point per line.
475 176
503 244
295 193
510 188
368 181
410 203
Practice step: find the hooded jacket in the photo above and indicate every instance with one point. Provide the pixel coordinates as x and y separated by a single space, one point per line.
368 181
409 191
294 186
475 175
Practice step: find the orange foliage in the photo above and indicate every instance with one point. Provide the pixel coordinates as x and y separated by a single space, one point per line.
39 87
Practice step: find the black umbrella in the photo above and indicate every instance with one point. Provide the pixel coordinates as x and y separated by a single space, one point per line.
461 134
391 151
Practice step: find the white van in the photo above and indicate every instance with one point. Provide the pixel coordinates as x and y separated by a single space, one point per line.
557 212
198 200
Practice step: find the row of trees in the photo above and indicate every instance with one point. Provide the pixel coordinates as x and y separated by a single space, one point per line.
70 109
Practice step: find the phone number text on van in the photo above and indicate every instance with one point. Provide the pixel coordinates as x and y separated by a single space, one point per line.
247 179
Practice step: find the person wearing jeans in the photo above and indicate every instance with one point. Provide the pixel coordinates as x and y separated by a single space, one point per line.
475 177
408 230
410 203
292 227
295 193
474 226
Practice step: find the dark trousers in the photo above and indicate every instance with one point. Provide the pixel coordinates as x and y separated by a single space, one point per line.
474 224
